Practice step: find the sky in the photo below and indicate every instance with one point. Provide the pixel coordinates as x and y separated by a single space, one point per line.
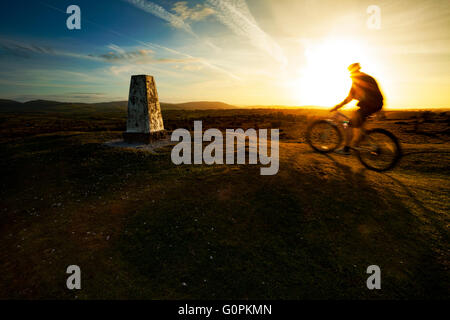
254 52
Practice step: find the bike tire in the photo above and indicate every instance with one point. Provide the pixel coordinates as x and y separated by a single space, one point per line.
397 153
332 127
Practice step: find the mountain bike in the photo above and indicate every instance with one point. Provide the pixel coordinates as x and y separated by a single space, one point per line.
378 149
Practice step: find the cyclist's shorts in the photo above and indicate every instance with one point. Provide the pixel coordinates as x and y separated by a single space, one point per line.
368 108
364 111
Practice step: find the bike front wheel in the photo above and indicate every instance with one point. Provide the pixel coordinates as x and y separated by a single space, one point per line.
323 136
379 150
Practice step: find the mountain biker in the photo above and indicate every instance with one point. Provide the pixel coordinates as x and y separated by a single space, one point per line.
364 89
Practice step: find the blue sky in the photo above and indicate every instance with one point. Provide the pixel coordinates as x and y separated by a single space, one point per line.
284 52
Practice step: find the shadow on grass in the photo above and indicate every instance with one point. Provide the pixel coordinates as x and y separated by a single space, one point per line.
293 236
218 232
409 193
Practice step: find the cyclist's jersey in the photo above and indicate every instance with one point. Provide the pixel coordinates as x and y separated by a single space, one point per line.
365 89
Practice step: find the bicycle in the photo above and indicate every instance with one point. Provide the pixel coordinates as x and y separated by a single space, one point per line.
378 149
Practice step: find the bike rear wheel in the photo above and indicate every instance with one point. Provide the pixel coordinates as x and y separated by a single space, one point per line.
323 136
379 150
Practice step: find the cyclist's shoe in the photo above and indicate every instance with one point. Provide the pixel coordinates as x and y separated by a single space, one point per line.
345 151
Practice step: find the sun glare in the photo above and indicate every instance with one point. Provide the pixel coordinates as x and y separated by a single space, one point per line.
324 80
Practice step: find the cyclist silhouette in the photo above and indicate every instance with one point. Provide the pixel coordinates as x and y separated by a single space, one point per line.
370 100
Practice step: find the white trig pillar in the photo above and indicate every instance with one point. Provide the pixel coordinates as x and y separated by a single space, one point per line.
144 122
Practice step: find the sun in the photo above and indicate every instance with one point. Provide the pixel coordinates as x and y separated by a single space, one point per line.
324 80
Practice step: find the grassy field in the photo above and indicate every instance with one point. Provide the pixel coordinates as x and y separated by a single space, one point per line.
140 227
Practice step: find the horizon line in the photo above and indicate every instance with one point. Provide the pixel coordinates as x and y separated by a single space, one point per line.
238 106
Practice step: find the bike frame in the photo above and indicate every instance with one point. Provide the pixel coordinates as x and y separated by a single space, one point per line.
342 121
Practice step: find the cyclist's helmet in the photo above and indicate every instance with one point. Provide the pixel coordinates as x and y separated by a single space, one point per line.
354 67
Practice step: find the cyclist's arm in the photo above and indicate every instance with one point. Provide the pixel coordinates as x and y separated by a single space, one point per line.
346 100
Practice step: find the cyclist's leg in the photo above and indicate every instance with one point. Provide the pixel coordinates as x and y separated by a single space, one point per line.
354 130
366 109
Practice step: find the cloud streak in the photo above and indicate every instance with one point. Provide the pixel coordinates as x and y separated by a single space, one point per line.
203 61
177 20
236 15
23 50
116 55
123 55
162 13
196 13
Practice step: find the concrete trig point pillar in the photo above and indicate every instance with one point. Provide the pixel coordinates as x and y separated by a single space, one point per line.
144 122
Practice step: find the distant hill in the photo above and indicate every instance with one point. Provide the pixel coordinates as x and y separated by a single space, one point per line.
9 104
45 106
197 105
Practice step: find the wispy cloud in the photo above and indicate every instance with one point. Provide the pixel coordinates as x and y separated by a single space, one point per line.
162 13
117 54
195 13
21 49
236 15
180 19
116 48
124 60
130 55
203 61
141 56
